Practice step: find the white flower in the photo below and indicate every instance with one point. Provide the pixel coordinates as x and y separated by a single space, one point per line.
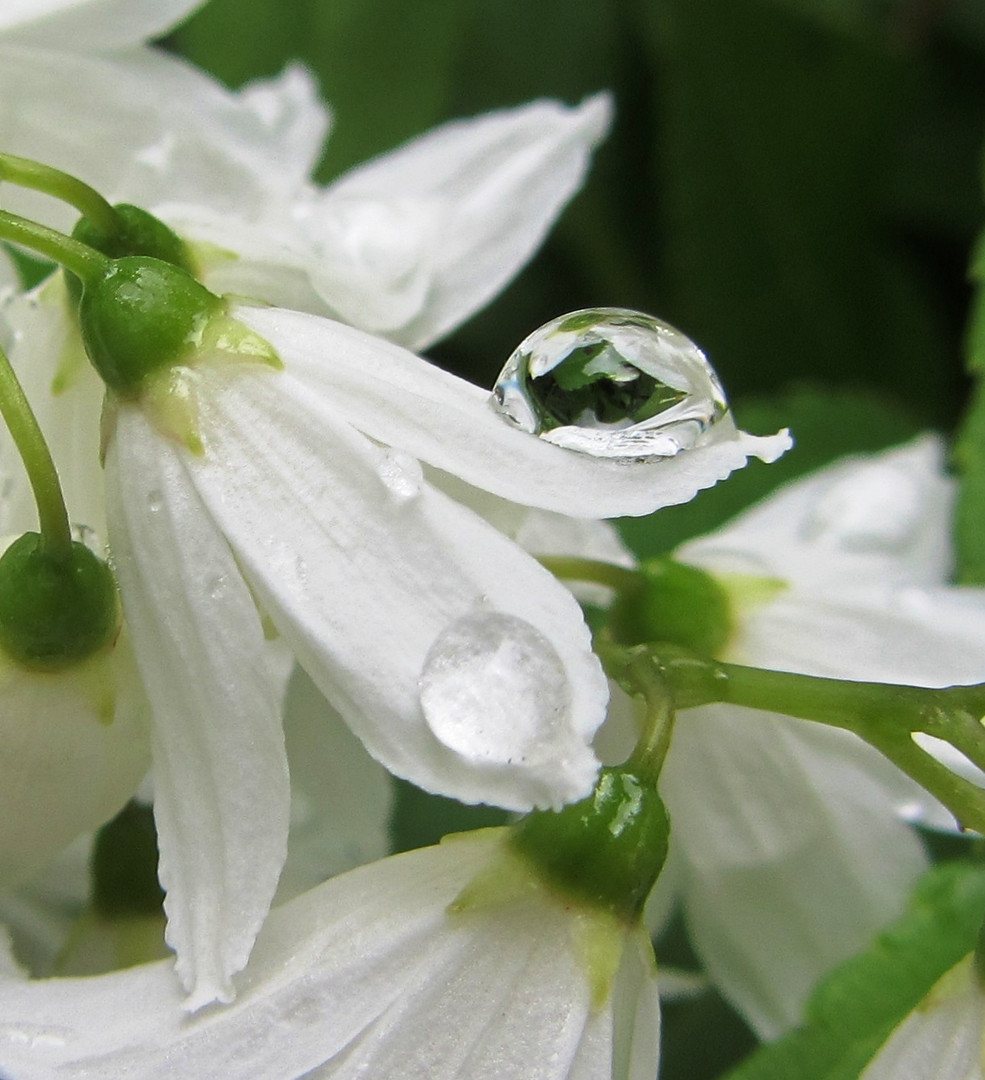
787 839
81 94
378 973
943 1038
457 659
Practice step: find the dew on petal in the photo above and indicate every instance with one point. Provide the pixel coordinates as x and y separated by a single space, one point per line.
611 383
401 475
494 690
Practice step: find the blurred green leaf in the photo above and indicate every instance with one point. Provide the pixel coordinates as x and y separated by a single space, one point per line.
852 1012
826 424
775 152
420 819
969 446
30 269
385 69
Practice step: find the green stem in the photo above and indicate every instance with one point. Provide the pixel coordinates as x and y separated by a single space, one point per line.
643 677
85 262
56 534
592 570
61 185
884 715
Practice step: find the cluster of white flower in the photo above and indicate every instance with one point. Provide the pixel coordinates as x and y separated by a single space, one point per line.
325 554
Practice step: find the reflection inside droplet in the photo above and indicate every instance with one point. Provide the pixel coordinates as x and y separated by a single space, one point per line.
494 690
611 383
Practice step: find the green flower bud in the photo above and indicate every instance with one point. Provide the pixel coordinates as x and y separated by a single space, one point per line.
607 849
139 233
55 611
676 603
142 315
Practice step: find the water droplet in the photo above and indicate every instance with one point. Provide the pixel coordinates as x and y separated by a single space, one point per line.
401 475
494 690
155 500
611 383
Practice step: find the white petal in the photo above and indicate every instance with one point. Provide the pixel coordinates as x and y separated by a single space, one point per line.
146 128
340 797
80 25
942 1038
66 395
925 637
377 582
40 914
338 986
75 763
399 400
882 519
792 855
483 193
221 797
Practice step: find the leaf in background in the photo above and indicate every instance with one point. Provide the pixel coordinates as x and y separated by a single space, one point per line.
969 447
31 269
853 1010
826 424
385 69
775 152
420 819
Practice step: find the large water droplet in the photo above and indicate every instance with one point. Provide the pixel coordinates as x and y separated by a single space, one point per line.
494 690
611 383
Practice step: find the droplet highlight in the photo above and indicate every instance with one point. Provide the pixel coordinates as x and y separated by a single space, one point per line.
611 383
494 690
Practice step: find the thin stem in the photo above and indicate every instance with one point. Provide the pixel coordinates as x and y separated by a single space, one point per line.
83 261
592 570
643 676
32 174
56 535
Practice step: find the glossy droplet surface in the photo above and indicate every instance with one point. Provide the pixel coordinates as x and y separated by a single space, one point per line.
494 689
611 383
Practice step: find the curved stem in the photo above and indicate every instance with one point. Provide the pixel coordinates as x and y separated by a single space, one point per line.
883 714
83 261
56 534
643 677
60 185
592 570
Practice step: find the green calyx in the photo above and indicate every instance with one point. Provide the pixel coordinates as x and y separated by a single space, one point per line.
141 315
55 610
136 232
606 850
673 602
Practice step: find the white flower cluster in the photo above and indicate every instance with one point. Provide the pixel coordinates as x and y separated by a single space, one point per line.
324 561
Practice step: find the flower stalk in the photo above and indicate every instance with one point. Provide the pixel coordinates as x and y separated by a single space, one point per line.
56 534
885 715
60 185
85 262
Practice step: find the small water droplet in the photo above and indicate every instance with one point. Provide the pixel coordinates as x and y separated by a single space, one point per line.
155 500
401 475
494 690
611 383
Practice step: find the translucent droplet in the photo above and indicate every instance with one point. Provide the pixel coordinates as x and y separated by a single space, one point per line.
494 690
401 474
611 383
155 500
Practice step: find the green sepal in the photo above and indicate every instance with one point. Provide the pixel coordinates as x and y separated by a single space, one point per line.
139 233
673 602
606 850
54 610
141 316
